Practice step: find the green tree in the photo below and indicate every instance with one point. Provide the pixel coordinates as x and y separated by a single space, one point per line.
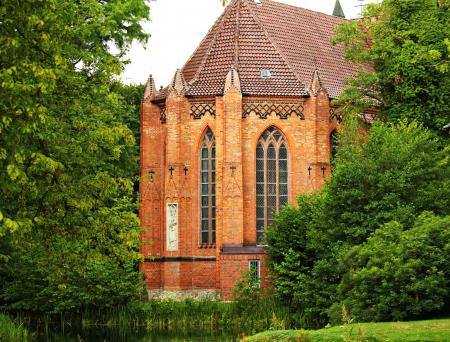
406 43
69 235
294 251
131 95
393 172
399 274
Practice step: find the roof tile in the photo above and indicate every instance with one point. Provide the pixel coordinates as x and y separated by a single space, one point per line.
289 41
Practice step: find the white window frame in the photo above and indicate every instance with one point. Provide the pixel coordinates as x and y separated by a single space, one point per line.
258 263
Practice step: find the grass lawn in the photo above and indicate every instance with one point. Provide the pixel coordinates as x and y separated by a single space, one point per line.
431 330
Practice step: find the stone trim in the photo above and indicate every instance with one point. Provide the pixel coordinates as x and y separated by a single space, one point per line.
243 250
182 294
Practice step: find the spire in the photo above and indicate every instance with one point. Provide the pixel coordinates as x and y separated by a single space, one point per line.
178 83
150 89
338 12
232 81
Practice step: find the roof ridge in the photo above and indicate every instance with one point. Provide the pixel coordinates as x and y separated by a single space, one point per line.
276 47
218 22
306 9
236 38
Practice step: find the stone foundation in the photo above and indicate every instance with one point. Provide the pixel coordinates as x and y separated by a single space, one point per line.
157 294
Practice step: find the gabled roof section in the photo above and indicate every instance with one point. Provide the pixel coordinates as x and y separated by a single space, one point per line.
289 41
238 41
303 37
192 66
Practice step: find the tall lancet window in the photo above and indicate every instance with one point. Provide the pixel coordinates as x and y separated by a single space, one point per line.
271 178
208 188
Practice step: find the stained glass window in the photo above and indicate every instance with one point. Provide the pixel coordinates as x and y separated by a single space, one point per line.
208 189
271 178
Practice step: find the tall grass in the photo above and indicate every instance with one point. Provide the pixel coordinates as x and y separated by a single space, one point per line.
246 315
10 331
188 314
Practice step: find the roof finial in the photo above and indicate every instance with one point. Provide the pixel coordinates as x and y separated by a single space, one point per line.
150 89
338 12
316 83
232 81
178 84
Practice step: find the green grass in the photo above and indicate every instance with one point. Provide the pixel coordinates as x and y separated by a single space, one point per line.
11 331
417 331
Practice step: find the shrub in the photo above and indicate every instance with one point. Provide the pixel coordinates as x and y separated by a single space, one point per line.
399 274
393 172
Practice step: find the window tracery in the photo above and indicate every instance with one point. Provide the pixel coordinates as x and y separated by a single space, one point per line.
271 178
208 189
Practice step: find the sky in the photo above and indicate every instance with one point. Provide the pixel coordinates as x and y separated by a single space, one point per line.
178 26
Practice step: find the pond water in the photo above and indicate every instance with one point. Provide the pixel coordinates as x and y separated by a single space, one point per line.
95 334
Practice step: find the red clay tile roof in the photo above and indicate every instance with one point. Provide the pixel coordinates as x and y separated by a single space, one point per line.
303 37
290 42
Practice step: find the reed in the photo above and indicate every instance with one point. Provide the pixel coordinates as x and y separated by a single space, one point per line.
240 317
207 315
12 330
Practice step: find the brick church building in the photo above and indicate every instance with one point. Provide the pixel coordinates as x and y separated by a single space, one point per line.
243 127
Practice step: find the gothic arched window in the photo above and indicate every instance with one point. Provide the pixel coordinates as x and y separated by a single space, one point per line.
271 178
208 189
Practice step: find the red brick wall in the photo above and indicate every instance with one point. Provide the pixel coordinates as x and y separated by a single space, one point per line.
234 267
152 270
176 143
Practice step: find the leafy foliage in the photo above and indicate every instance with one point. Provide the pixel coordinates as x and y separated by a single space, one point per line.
247 294
407 46
294 251
398 274
391 173
69 234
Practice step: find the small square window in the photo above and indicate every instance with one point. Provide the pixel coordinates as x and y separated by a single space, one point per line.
254 267
265 73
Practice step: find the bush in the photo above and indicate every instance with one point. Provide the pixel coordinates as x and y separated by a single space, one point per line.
399 274
393 172
294 247
62 275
